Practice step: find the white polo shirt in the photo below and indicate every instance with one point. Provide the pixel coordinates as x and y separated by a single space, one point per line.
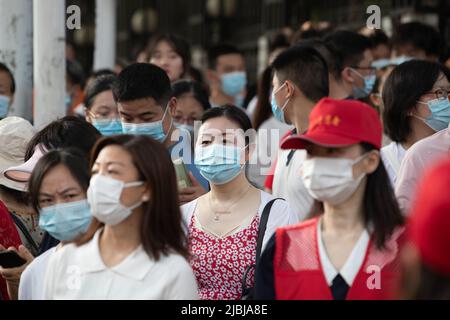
288 184
31 285
354 262
79 273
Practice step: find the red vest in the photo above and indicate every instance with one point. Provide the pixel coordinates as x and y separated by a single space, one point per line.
298 271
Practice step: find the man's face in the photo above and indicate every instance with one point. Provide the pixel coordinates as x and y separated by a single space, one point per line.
364 68
230 63
409 50
143 110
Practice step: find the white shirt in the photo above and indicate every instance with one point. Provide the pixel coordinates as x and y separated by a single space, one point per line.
31 285
268 139
353 263
392 156
280 215
288 184
79 273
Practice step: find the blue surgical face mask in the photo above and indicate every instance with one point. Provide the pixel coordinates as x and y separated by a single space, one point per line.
369 83
278 112
440 114
4 106
233 83
219 164
108 127
68 101
66 221
154 129
185 127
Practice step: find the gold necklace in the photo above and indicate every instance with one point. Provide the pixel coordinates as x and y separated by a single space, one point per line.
218 212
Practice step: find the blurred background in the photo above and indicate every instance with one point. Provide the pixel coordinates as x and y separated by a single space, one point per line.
246 23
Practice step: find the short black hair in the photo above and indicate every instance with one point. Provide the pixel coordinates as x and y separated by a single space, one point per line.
102 72
142 80
404 86
379 37
306 68
199 93
72 158
178 44
279 40
4 68
232 113
220 50
75 73
420 36
69 131
347 48
98 85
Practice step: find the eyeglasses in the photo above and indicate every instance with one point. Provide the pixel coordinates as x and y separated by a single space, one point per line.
440 94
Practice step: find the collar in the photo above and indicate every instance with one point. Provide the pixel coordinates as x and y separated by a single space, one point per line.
135 266
353 263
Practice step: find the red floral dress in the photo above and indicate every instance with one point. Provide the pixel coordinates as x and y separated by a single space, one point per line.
220 263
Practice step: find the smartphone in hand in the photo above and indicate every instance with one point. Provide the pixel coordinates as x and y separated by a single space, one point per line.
182 174
10 259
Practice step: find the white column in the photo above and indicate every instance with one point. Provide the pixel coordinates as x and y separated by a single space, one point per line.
16 51
105 34
49 22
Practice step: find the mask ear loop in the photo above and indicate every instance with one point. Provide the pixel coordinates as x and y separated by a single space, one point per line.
166 135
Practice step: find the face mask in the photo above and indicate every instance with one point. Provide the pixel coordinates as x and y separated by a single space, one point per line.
278 112
108 127
399 60
369 83
329 179
219 164
440 114
154 130
4 106
104 198
66 221
68 101
185 127
239 101
233 83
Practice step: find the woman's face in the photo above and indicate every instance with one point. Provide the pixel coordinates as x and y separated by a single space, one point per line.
59 186
440 89
188 110
167 59
103 107
222 131
115 162
352 152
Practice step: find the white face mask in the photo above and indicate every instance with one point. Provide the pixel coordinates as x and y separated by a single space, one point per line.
104 199
329 179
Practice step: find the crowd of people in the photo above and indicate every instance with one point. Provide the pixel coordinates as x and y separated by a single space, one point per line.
329 180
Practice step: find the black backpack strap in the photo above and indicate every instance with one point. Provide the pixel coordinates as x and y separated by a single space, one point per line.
25 232
263 226
247 293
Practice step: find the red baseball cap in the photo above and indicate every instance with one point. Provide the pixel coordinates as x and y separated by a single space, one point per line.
429 224
339 123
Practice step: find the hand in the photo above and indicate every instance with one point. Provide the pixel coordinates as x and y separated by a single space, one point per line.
12 275
191 193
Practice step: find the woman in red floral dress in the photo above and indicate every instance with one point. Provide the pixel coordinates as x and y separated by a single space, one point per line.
223 224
